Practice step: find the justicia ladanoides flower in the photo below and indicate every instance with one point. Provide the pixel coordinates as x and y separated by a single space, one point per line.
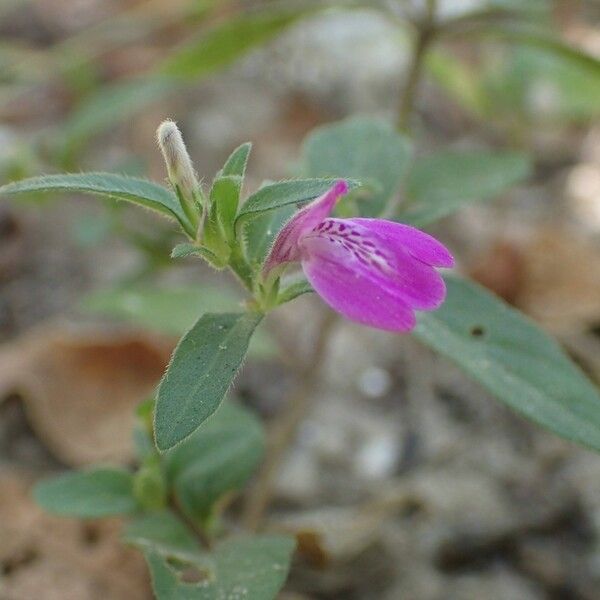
372 271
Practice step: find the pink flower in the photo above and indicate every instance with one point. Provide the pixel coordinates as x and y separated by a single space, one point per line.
372 271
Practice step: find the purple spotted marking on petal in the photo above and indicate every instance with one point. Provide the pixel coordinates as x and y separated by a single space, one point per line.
420 244
393 268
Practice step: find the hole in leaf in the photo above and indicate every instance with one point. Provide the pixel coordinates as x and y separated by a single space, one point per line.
192 575
477 331
187 572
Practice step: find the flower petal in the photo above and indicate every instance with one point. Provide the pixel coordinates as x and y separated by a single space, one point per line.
388 267
356 296
421 245
286 246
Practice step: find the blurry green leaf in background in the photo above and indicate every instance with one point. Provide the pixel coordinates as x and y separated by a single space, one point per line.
219 457
162 532
172 310
253 567
364 148
441 183
203 54
99 492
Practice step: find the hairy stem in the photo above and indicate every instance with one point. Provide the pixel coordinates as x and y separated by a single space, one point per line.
240 267
283 430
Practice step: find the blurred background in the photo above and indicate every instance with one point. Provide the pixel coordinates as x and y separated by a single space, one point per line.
406 481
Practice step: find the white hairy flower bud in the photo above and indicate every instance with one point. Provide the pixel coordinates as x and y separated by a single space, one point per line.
179 167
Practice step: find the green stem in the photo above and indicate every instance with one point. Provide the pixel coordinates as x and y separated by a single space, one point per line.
425 34
239 265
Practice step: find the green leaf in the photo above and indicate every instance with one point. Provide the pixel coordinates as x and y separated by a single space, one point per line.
494 11
364 148
224 200
164 533
294 290
514 360
201 371
260 233
89 494
252 567
539 38
284 193
219 457
575 87
172 311
442 183
186 249
237 161
119 187
223 44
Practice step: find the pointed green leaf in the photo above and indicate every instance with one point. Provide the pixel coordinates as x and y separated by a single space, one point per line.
514 360
219 457
537 37
237 161
224 200
252 567
442 183
223 44
201 371
186 249
284 193
89 494
119 187
294 290
364 148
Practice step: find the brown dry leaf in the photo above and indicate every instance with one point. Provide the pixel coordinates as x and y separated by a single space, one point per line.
80 388
501 270
554 277
52 558
12 244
